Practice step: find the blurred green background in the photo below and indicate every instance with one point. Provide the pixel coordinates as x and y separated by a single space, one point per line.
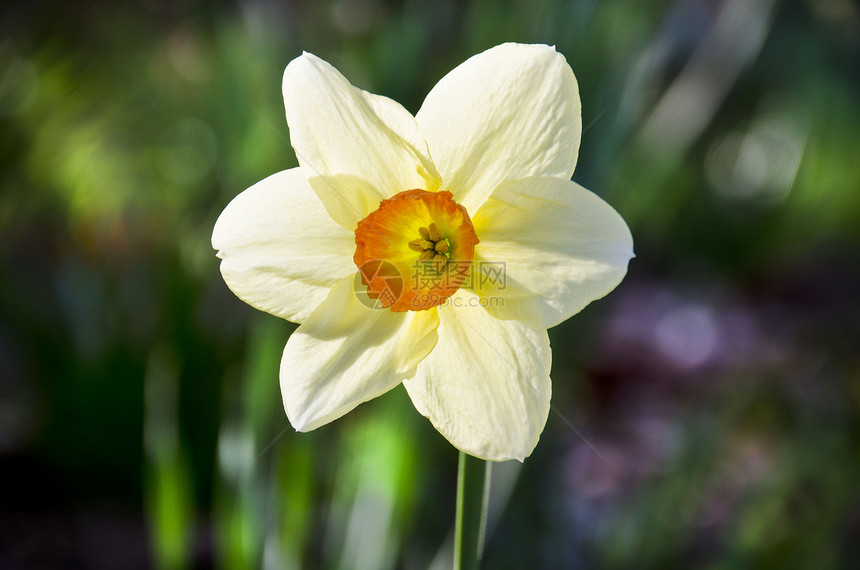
705 415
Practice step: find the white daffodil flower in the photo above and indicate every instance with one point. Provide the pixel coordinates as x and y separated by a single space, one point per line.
432 250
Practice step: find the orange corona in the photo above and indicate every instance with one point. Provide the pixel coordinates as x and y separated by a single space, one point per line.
428 237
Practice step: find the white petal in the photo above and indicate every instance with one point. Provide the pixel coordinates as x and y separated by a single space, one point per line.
280 251
510 112
355 148
561 247
345 354
486 385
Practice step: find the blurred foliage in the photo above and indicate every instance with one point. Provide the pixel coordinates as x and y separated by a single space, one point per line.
706 414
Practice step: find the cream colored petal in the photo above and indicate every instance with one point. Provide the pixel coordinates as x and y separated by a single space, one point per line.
280 251
345 354
485 386
510 112
560 247
355 148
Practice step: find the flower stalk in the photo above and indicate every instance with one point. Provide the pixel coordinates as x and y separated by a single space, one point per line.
473 492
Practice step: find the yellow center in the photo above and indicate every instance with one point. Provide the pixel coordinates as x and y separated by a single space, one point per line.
427 237
431 244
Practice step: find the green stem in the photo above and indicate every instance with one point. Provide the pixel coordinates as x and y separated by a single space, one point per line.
473 491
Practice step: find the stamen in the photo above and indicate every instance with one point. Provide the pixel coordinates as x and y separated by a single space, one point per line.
435 234
432 246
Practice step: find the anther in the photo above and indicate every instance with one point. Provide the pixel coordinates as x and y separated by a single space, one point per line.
432 246
435 234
